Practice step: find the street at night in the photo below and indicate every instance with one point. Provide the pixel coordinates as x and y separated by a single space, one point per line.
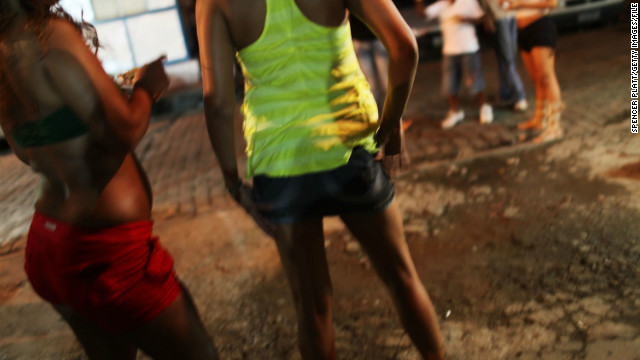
528 251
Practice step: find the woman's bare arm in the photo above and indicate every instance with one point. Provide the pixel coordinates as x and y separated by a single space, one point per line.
529 4
217 61
384 19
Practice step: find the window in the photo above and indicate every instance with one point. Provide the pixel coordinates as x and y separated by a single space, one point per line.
111 9
133 32
79 9
157 33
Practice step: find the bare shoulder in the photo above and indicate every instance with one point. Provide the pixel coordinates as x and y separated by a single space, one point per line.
65 41
60 29
74 70
212 5
209 9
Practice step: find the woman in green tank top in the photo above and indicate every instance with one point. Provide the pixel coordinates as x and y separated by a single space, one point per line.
312 131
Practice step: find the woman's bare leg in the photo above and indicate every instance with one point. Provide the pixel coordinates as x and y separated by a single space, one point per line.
537 121
303 256
382 236
544 61
453 102
177 333
97 343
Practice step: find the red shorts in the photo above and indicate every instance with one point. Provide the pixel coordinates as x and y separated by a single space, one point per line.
119 277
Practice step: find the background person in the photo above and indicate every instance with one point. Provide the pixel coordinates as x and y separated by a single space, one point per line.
461 62
90 251
311 126
502 24
537 39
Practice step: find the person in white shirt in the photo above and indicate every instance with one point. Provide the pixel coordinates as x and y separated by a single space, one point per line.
461 61
503 27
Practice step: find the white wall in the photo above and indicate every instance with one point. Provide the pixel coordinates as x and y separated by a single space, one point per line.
135 40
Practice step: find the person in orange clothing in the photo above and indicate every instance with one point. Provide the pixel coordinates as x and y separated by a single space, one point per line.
537 38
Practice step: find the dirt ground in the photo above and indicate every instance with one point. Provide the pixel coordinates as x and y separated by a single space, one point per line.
527 253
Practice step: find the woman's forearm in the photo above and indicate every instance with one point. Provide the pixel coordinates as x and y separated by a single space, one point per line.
403 61
534 4
220 125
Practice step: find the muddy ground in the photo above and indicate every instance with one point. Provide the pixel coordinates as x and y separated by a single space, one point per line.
531 252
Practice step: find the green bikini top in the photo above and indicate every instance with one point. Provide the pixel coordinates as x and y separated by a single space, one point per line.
63 124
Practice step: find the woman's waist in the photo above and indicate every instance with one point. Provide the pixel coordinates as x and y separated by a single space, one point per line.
299 92
332 126
141 228
94 208
305 157
526 17
78 248
295 107
312 87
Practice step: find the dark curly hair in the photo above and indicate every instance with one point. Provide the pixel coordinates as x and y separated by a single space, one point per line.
37 13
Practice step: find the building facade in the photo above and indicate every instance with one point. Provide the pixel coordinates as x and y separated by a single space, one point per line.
134 32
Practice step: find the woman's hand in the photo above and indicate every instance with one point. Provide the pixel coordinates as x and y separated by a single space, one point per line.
152 78
385 132
393 154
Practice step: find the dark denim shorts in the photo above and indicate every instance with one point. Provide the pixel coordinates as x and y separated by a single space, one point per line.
362 185
541 32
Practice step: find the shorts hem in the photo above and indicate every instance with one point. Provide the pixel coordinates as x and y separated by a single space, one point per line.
361 185
156 311
292 219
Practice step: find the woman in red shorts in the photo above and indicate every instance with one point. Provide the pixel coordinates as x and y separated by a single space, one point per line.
90 250
537 37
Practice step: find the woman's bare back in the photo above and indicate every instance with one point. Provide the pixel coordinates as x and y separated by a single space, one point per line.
87 181
246 17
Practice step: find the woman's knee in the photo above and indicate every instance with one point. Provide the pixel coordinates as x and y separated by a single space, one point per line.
400 279
544 79
312 307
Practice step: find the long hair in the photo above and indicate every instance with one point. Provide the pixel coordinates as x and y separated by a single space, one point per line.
38 13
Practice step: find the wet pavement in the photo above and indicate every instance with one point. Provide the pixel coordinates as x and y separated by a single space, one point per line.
544 266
